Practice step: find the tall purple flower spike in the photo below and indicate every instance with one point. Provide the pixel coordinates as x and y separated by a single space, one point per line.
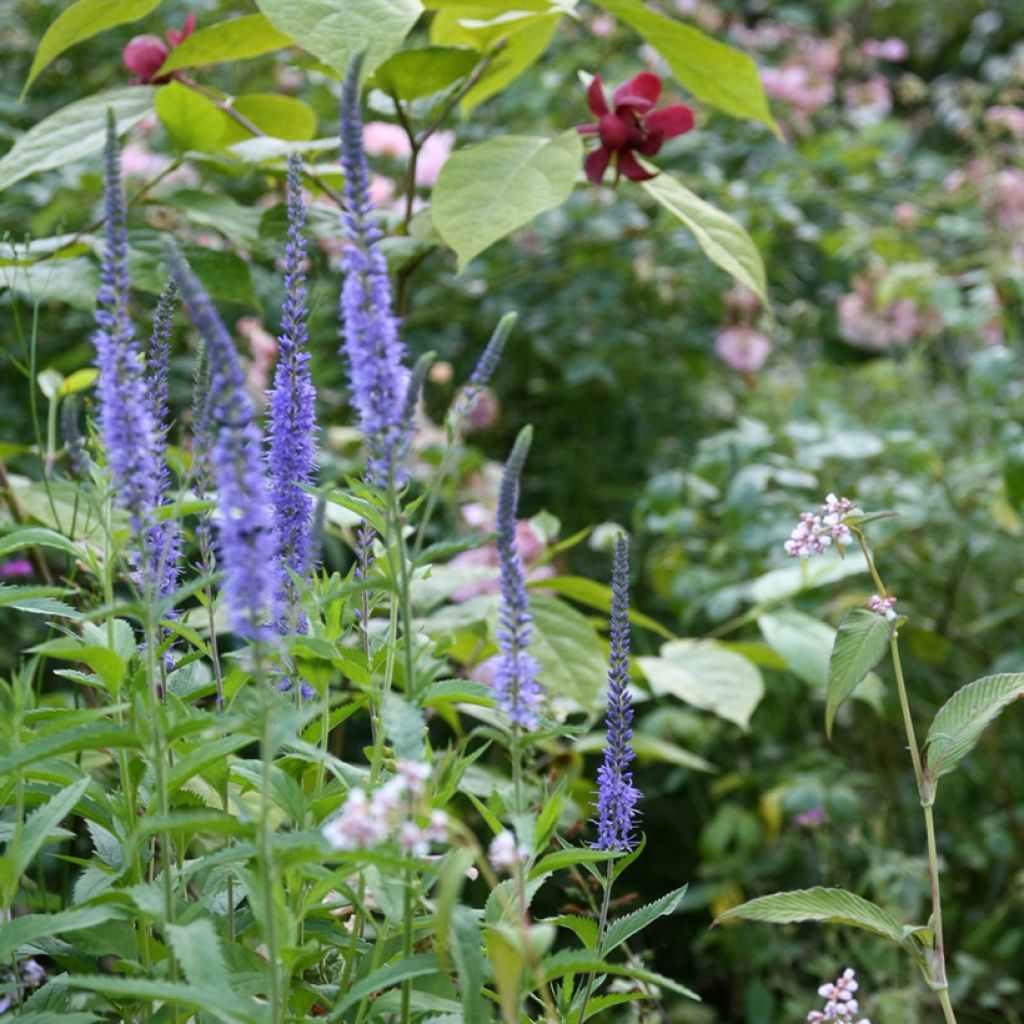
292 420
616 795
371 344
163 540
485 367
519 694
125 414
244 524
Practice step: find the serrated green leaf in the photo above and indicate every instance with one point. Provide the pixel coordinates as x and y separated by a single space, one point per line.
198 951
21 930
81 21
707 676
620 930
73 132
490 190
861 642
404 726
723 240
384 977
42 821
715 73
466 950
959 723
250 35
336 33
584 928
91 736
568 858
572 961
834 906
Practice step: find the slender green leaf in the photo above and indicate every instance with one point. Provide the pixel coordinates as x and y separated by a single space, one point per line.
573 961
42 821
960 722
81 21
250 35
36 536
861 643
568 858
715 73
488 191
619 931
21 930
73 132
834 906
384 977
91 736
724 241
466 950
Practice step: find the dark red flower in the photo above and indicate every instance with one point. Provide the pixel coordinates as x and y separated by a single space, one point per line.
145 55
634 126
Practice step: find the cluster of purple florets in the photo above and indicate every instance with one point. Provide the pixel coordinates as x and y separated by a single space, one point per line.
816 532
840 1004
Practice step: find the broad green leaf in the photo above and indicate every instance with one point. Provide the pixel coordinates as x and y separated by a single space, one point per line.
569 651
203 756
38 600
250 35
191 120
573 961
384 977
724 241
198 951
584 928
336 32
834 906
216 1001
507 962
516 39
413 74
81 21
708 676
778 585
715 73
73 132
28 927
488 191
621 930
861 642
91 736
598 596
107 664
404 726
41 823
35 536
74 281
960 722
26 253
281 117
55 1017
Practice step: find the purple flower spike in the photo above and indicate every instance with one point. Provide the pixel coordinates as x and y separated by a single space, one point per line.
125 413
292 420
163 541
616 795
371 344
485 367
515 674
244 524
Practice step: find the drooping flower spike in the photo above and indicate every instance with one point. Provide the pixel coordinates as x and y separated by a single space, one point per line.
518 693
617 797
371 343
485 367
631 126
291 418
244 523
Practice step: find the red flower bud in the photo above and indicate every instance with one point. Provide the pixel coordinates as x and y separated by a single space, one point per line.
145 55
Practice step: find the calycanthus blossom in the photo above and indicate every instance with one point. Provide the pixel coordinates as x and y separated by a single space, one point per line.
632 126
145 55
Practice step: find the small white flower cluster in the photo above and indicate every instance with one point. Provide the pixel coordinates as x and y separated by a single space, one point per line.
32 976
840 1004
883 606
815 532
505 853
365 821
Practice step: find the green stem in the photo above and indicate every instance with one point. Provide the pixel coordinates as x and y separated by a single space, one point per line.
602 923
266 862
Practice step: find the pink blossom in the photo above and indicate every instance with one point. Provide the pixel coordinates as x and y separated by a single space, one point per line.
505 853
815 532
883 606
382 191
891 49
381 138
868 102
905 214
742 348
1009 118
433 155
16 568
797 85
145 55
530 546
602 25
811 818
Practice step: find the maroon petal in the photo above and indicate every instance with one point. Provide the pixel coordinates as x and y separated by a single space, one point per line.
595 98
145 55
587 129
630 167
639 93
670 121
650 144
596 164
175 38
613 131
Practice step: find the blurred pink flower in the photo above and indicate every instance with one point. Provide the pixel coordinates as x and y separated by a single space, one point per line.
382 191
529 544
868 102
433 155
891 49
905 214
1009 118
797 85
602 25
483 413
263 348
866 324
743 348
16 568
380 138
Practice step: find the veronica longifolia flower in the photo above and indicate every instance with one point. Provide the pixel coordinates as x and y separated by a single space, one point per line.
244 526
485 367
371 344
632 126
515 673
125 413
616 795
292 420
